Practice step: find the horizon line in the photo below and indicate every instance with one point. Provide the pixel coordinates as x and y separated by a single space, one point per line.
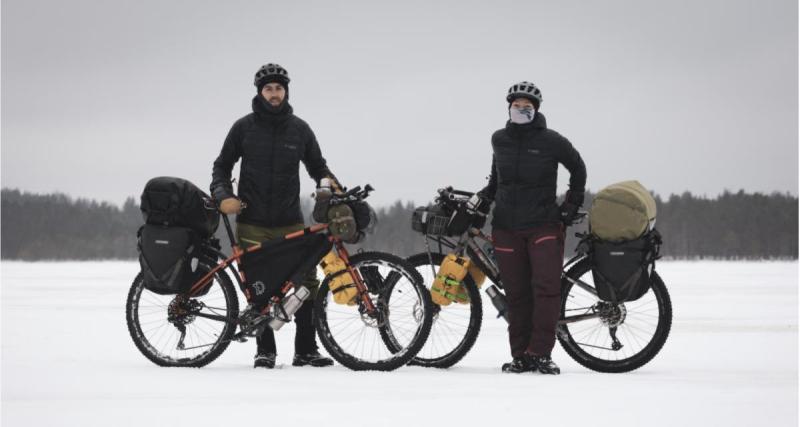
403 202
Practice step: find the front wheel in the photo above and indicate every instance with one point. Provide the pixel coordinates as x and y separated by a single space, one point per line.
608 337
360 340
175 330
455 326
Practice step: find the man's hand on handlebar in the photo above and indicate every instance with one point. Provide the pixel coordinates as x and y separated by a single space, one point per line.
231 205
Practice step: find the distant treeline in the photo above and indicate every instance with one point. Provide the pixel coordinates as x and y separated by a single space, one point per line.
731 226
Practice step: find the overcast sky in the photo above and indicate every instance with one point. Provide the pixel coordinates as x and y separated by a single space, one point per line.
698 95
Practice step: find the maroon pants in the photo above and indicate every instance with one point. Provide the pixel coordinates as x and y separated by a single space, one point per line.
530 266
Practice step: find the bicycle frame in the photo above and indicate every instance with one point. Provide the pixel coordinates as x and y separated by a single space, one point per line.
237 252
492 271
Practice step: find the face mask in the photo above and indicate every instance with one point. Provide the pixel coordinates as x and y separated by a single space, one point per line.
521 115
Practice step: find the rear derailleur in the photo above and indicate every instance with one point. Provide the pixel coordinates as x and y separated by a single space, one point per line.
181 312
612 315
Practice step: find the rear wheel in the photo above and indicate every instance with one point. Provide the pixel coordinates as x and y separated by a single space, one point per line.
361 340
174 330
615 337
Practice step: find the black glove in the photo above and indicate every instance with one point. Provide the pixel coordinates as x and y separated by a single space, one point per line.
569 209
485 204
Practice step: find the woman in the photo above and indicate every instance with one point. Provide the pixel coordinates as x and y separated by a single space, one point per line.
528 225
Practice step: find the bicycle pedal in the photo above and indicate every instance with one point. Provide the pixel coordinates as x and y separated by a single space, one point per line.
254 328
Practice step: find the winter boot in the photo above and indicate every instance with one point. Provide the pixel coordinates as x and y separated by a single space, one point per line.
545 365
264 360
518 365
312 359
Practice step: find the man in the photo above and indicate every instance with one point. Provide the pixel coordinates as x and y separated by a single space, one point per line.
528 226
271 141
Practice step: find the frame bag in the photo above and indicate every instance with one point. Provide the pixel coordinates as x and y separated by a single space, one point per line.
277 261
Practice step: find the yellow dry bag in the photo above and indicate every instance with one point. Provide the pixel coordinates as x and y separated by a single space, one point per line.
447 286
342 285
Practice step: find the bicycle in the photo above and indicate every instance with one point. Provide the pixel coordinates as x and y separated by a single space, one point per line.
193 328
599 335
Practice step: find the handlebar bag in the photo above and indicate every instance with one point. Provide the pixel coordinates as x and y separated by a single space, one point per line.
460 220
170 201
430 220
363 214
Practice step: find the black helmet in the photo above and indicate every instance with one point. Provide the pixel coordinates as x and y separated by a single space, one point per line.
525 90
271 73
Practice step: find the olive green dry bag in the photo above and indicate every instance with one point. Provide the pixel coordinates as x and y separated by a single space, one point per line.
621 212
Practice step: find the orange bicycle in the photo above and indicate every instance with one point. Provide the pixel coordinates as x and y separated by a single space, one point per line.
381 328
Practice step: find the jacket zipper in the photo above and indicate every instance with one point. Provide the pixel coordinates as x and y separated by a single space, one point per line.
514 192
270 206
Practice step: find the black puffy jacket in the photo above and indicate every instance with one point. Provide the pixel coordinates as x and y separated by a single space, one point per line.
271 142
524 174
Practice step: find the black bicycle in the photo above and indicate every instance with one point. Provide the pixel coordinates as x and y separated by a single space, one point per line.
381 328
598 334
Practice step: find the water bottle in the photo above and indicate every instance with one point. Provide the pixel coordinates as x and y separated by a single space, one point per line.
290 305
499 301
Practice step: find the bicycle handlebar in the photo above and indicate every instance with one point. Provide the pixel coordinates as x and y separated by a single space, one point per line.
355 194
451 194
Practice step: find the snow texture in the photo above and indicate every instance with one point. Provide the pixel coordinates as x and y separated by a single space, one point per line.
67 359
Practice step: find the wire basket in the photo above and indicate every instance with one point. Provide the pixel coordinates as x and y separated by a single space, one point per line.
428 221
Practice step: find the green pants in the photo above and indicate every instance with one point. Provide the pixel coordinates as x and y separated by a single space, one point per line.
249 235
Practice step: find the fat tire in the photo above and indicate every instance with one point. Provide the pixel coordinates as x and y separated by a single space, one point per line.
639 359
475 321
400 358
131 310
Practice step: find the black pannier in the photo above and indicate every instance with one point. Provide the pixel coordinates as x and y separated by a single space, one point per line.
278 261
168 257
622 270
177 202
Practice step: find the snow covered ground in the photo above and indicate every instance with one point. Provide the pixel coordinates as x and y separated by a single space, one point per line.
67 359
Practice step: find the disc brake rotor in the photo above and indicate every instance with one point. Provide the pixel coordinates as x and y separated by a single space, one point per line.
419 312
378 318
